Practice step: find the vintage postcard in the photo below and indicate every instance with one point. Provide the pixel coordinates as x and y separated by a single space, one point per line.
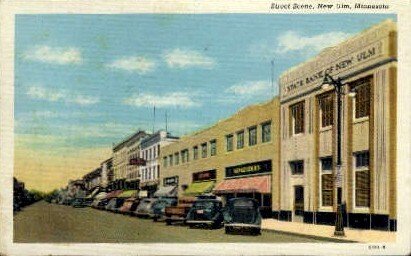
205 127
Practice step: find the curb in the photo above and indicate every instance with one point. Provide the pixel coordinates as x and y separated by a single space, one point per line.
328 239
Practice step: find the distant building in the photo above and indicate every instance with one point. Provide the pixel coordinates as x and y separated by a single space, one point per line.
92 180
126 175
76 188
107 175
150 153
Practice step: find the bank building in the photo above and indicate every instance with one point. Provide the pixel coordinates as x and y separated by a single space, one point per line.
312 180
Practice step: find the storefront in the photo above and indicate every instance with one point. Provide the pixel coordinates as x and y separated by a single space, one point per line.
252 180
203 183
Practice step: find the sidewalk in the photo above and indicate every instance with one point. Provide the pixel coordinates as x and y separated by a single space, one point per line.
325 231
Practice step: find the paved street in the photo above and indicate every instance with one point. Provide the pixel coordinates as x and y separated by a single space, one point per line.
43 222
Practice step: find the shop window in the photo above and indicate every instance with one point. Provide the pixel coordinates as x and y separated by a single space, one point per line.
326 181
213 147
204 150
326 110
362 179
266 200
297 118
176 158
240 139
195 152
229 141
165 161
266 132
297 167
362 97
252 136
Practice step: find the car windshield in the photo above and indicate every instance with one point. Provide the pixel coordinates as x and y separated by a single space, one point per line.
243 203
204 204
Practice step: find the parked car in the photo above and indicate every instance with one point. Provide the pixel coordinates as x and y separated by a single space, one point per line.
101 204
114 204
244 214
207 210
129 206
144 208
178 212
81 202
159 207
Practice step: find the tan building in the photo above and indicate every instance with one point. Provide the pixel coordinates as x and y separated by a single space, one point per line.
367 66
123 152
238 156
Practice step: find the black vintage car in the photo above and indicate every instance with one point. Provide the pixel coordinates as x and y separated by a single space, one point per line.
206 211
242 214
158 208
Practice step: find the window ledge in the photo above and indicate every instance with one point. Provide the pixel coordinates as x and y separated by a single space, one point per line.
361 119
325 129
326 209
360 209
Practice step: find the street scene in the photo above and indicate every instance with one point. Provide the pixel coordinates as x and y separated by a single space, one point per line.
48 223
169 129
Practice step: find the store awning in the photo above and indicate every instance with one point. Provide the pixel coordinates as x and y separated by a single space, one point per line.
114 193
198 188
168 191
257 184
128 193
101 195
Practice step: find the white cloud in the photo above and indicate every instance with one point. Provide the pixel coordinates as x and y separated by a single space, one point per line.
178 58
174 99
36 92
293 41
141 65
41 93
54 55
250 88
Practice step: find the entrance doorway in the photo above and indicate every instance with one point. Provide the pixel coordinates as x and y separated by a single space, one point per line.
298 212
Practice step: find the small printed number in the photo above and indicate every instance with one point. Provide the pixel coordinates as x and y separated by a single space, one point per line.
376 247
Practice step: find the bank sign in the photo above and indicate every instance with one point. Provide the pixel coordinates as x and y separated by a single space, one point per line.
341 65
248 169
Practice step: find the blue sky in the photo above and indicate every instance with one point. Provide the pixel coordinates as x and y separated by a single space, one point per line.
84 81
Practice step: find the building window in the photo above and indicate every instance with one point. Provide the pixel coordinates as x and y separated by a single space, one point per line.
240 139
362 97
229 140
184 156
252 136
297 167
362 179
170 158
165 161
297 118
266 132
195 152
213 147
177 158
326 181
326 108
204 150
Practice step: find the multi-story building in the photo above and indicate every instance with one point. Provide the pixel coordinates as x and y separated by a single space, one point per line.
236 157
150 152
76 188
92 180
124 172
107 175
367 66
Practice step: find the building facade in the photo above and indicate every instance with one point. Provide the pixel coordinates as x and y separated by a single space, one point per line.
92 180
150 153
367 66
124 172
107 175
238 156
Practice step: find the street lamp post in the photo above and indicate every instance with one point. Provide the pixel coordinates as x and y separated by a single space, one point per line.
338 86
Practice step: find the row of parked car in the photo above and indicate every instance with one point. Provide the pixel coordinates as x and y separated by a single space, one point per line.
201 211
